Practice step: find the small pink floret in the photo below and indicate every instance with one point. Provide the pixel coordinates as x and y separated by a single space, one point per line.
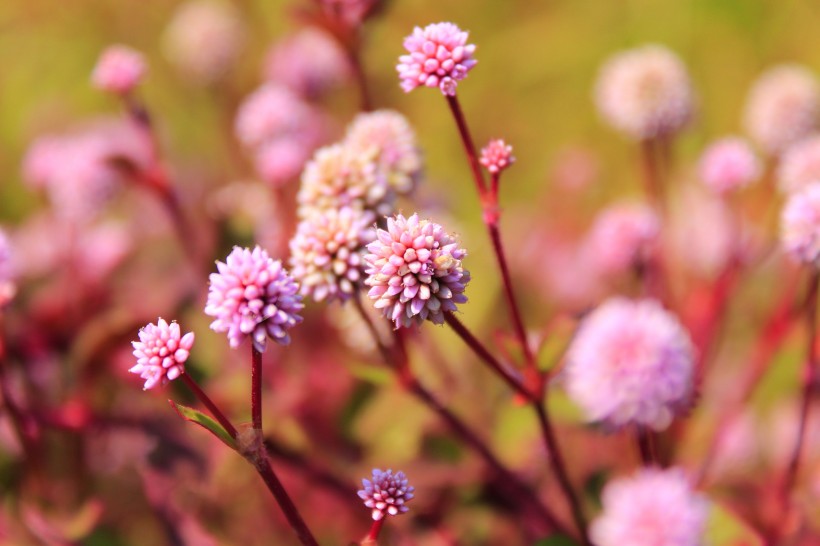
386 494
800 225
729 164
438 56
161 353
496 156
119 70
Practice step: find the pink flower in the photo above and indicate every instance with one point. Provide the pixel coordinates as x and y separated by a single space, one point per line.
622 236
800 225
7 286
270 112
119 70
161 353
253 296
327 253
652 508
439 56
800 165
496 156
415 271
386 493
645 92
729 164
782 107
309 62
280 160
631 362
394 141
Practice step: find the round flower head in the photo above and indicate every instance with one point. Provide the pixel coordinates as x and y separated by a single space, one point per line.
309 62
414 271
439 56
652 508
800 225
729 164
339 176
327 253
397 153
281 160
204 38
252 295
496 156
269 112
645 92
782 107
386 494
119 70
161 353
631 362
800 165
621 236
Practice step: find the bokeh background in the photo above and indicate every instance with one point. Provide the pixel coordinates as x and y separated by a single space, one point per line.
332 412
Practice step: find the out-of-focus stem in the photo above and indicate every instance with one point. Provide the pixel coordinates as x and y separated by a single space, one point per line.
809 377
653 182
646 446
355 61
256 388
208 403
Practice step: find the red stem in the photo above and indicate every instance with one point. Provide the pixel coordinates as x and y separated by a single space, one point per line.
375 529
646 446
256 388
467 141
292 514
208 403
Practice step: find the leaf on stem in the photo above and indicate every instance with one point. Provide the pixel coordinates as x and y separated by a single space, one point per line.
206 422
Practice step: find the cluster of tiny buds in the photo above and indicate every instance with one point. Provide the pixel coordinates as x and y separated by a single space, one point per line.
161 353
438 56
386 493
496 156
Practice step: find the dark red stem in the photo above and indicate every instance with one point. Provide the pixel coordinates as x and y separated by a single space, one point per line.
375 529
646 446
256 388
292 514
208 403
467 141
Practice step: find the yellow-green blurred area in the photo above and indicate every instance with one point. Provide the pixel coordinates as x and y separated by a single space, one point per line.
537 64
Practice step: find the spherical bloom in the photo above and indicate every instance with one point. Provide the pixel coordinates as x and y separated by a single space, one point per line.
631 362
272 111
622 236
800 225
327 253
414 271
161 353
439 56
729 164
280 160
119 70
645 92
309 62
252 295
496 156
782 107
800 165
397 152
386 493
652 508
339 176
204 39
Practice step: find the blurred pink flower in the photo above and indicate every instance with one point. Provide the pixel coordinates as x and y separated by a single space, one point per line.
339 176
394 141
414 271
119 70
496 156
782 107
204 39
622 236
327 253
309 62
800 165
253 296
651 508
439 56
7 286
645 92
280 160
729 164
161 353
272 111
386 494
631 362
800 225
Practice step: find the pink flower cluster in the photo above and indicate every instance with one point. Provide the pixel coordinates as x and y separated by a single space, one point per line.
622 237
651 508
414 271
496 156
800 225
729 164
800 165
386 494
631 362
161 353
309 62
438 56
253 296
7 287
119 70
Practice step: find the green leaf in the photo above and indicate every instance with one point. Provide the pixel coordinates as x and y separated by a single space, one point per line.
206 422
725 527
556 540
